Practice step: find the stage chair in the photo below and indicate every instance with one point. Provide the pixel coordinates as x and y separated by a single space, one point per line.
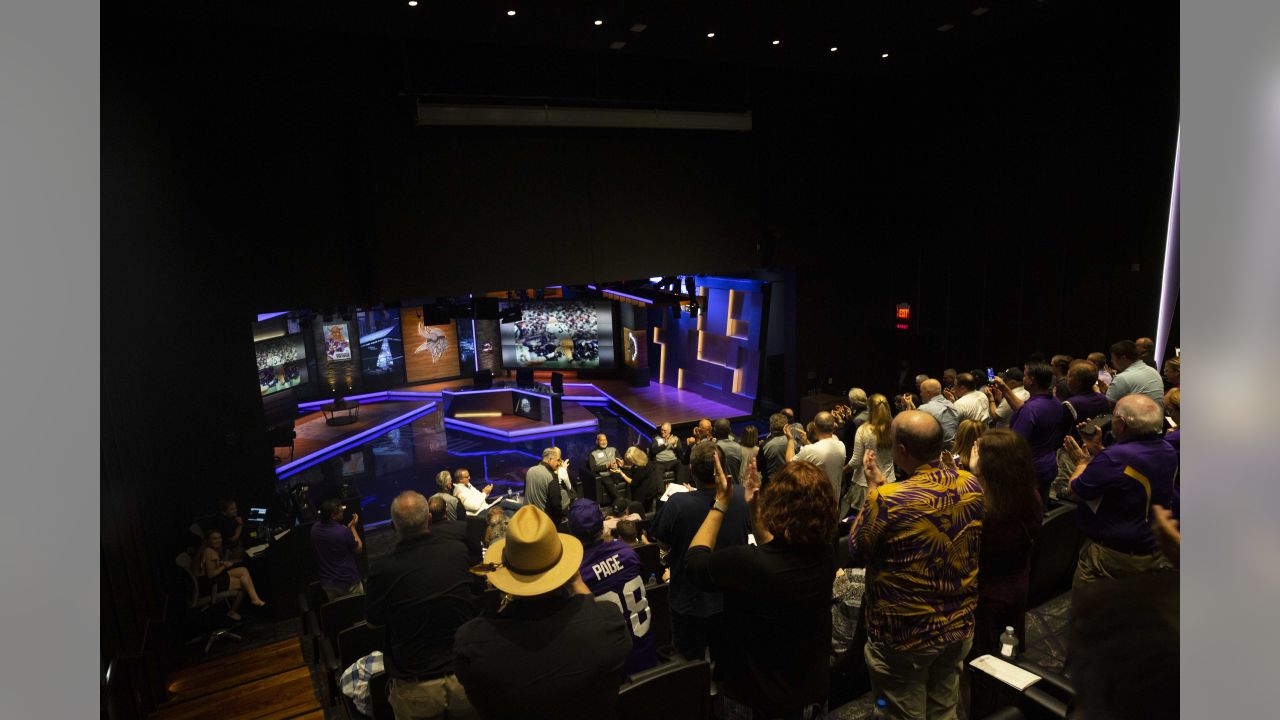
199 607
336 616
672 691
283 436
355 642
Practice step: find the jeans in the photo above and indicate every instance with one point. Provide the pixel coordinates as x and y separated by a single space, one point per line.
429 699
917 684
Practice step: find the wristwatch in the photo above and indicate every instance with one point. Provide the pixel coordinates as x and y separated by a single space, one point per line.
723 508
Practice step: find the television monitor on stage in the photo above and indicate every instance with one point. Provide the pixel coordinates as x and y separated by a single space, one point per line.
524 377
430 351
560 335
526 406
282 363
381 348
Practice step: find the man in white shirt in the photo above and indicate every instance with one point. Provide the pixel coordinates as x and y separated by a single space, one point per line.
827 452
971 403
473 500
998 405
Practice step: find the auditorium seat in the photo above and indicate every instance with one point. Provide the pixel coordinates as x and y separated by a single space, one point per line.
1054 555
658 595
355 642
672 691
336 616
378 697
650 562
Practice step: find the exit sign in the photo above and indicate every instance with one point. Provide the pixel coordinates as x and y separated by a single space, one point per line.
903 315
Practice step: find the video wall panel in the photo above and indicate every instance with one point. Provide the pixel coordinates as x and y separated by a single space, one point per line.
431 351
381 348
560 335
282 363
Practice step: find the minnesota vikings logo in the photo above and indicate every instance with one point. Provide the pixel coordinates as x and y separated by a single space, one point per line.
433 341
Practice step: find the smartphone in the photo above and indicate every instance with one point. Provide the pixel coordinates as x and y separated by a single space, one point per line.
991 375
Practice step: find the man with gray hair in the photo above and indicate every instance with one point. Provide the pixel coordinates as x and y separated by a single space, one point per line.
827 452
444 481
1119 485
542 488
418 596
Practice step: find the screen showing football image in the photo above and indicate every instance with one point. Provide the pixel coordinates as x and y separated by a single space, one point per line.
282 363
430 351
381 347
560 335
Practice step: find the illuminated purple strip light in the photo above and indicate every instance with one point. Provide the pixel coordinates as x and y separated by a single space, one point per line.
369 398
268 316
528 434
1169 283
302 463
608 291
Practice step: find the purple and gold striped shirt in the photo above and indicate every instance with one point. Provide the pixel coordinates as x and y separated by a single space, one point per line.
920 540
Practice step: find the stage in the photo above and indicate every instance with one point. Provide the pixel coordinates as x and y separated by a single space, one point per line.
644 408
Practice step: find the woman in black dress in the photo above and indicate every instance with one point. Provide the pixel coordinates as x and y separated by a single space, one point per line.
211 569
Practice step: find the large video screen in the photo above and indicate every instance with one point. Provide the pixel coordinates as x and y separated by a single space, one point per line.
282 363
431 351
381 348
560 335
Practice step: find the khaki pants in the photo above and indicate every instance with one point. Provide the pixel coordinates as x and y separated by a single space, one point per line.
852 501
917 684
335 593
1098 562
429 699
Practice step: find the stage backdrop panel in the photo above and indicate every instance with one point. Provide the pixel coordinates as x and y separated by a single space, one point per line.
337 360
381 348
430 351
559 335
282 363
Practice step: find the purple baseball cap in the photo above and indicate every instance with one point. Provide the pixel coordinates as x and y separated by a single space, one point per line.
585 519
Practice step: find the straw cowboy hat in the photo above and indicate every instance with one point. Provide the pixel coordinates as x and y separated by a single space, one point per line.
533 558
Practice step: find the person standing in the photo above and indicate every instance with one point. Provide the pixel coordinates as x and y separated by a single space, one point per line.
553 652
1134 375
336 546
542 488
696 613
666 451
827 452
773 451
1042 420
418 596
1005 390
873 435
942 409
722 431
920 540
971 403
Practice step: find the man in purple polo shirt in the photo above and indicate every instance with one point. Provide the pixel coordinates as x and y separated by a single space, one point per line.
1083 402
1119 485
336 546
1041 419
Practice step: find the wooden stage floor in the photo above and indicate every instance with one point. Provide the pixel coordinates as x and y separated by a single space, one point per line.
271 681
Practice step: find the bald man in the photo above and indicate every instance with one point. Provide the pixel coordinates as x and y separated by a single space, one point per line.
1146 348
942 409
827 452
1119 485
920 615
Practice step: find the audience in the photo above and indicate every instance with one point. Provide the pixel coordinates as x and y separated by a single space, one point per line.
696 613
942 409
1173 408
1172 372
336 545
777 595
444 481
971 403
552 652
827 452
1061 364
1145 347
418 596
859 413
750 442
1105 374
1007 388
1043 421
495 525
666 451
613 573
1118 485
919 539
1011 522
773 451
472 500
873 435
796 427
214 572
1135 375
967 434
732 450
542 486
629 532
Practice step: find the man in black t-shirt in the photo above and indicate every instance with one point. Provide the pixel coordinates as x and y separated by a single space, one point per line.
554 651
418 596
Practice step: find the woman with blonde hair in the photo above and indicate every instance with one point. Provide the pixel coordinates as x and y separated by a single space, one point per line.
872 435
967 434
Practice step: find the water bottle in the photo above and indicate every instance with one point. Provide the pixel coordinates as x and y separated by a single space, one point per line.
880 711
1008 643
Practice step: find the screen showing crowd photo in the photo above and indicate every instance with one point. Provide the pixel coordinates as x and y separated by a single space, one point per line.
560 335
282 363
381 347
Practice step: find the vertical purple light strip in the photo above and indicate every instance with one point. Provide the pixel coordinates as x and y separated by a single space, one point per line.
1169 285
475 342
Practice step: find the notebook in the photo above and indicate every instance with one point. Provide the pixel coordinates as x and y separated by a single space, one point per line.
1005 672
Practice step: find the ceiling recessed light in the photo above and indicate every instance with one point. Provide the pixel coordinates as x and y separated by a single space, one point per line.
777 42
885 55
511 13
980 11
599 22
413 3
834 49
945 27
711 34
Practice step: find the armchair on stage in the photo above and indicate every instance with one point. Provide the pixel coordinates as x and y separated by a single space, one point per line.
511 412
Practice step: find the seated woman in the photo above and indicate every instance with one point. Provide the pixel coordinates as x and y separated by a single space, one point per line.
635 470
777 596
223 574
